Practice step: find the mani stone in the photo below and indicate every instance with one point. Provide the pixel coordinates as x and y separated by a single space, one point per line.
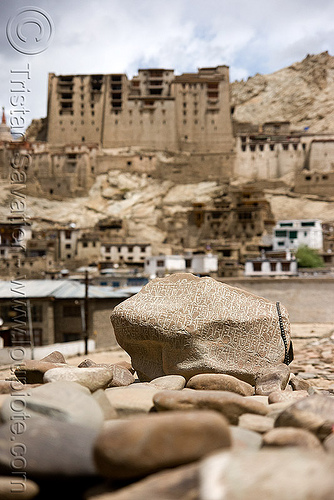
135 448
185 325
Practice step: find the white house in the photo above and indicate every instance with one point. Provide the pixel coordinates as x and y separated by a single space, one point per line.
204 263
291 234
128 253
272 264
159 265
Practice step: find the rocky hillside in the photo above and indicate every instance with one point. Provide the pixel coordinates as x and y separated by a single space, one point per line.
301 93
150 209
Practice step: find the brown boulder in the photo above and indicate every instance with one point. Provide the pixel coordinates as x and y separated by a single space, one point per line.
220 382
291 436
134 448
315 413
186 325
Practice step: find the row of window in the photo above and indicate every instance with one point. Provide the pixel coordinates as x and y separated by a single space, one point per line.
285 266
285 147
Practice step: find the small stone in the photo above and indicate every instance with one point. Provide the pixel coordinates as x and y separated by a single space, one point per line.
54 357
32 372
281 396
271 473
256 423
87 363
155 442
63 401
299 384
329 443
17 488
291 436
272 379
127 365
109 413
220 382
315 413
171 484
169 382
229 404
244 439
131 400
93 377
121 376
60 449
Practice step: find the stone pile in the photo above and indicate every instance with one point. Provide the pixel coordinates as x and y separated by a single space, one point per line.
216 415
314 358
99 432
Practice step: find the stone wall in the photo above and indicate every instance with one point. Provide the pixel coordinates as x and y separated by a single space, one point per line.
308 300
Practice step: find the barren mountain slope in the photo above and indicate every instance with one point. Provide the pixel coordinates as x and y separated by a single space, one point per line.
301 93
146 205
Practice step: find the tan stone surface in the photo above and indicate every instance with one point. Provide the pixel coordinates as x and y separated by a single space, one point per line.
220 382
187 325
128 449
229 404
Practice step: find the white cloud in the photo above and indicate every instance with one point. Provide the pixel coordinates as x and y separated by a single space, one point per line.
108 36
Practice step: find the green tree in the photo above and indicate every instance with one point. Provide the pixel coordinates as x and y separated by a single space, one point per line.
307 257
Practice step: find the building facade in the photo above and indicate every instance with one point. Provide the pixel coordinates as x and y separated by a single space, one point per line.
274 264
155 109
291 234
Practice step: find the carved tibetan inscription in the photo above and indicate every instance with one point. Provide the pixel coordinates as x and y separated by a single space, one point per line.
187 325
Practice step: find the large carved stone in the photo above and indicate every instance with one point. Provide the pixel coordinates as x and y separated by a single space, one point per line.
187 325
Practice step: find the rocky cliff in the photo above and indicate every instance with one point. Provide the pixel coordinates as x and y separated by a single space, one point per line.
301 93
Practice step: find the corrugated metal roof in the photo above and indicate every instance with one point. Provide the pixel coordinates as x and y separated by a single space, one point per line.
59 289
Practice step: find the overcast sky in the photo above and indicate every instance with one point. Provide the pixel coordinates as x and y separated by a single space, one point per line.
110 36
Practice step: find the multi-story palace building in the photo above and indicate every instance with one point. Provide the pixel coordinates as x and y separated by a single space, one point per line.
155 109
